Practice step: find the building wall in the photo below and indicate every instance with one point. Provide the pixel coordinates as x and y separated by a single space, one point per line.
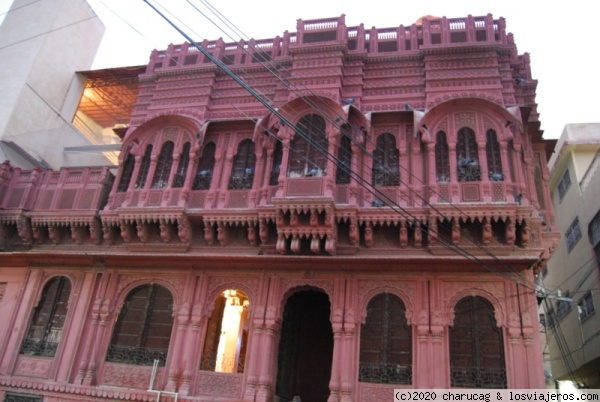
43 45
415 223
575 270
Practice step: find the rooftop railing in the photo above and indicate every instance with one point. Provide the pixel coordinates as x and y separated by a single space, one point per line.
429 32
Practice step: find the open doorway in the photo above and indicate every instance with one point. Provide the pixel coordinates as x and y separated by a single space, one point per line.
305 348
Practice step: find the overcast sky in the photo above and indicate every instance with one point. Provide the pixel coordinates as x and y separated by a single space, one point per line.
561 37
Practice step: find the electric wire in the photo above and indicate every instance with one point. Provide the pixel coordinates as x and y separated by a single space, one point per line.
398 209
361 146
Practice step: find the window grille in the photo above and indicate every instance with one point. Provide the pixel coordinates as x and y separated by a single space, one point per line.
144 167
386 158
242 173
563 185
126 174
586 306
386 342
563 307
275 169
307 155
442 160
344 159
467 154
163 165
206 165
476 346
573 234
143 329
184 161
492 148
10 397
594 229
45 328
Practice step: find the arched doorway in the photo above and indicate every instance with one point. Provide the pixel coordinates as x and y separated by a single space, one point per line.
305 348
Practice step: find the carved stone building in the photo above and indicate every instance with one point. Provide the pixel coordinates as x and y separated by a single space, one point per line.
378 228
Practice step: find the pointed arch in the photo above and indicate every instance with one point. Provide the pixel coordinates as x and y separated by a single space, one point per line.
142 331
385 342
45 328
386 159
476 346
306 157
442 159
242 172
206 166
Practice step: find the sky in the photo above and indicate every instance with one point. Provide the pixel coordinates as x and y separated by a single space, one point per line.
561 37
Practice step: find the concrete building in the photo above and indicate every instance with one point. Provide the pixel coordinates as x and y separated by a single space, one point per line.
42 46
573 328
377 226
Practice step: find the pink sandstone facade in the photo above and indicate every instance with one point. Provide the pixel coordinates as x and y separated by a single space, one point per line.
251 267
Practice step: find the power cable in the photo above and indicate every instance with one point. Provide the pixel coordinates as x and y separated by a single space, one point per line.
396 208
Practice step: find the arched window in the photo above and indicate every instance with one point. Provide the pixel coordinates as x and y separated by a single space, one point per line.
242 173
492 149
277 157
206 165
143 329
227 334
163 165
308 148
144 166
48 319
442 160
126 173
386 158
184 161
344 158
467 156
386 342
476 346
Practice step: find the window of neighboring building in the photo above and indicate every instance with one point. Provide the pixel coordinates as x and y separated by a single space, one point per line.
385 342
242 173
163 166
144 167
492 149
594 234
442 160
126 173
46 325
206 165
563 307
143 328
386 158
573 234
476 346
184 161
467 156
586 306
563 185
344 158
307 154
276 167
227 334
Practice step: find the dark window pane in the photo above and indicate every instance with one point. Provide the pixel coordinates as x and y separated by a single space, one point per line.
143 329
467 155
144 166
386 159
442 160
48 319
206 165
476 346
163 166
386 342
126 174
184 161
242 173
308 148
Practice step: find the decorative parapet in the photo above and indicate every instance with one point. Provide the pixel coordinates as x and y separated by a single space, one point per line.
428 33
